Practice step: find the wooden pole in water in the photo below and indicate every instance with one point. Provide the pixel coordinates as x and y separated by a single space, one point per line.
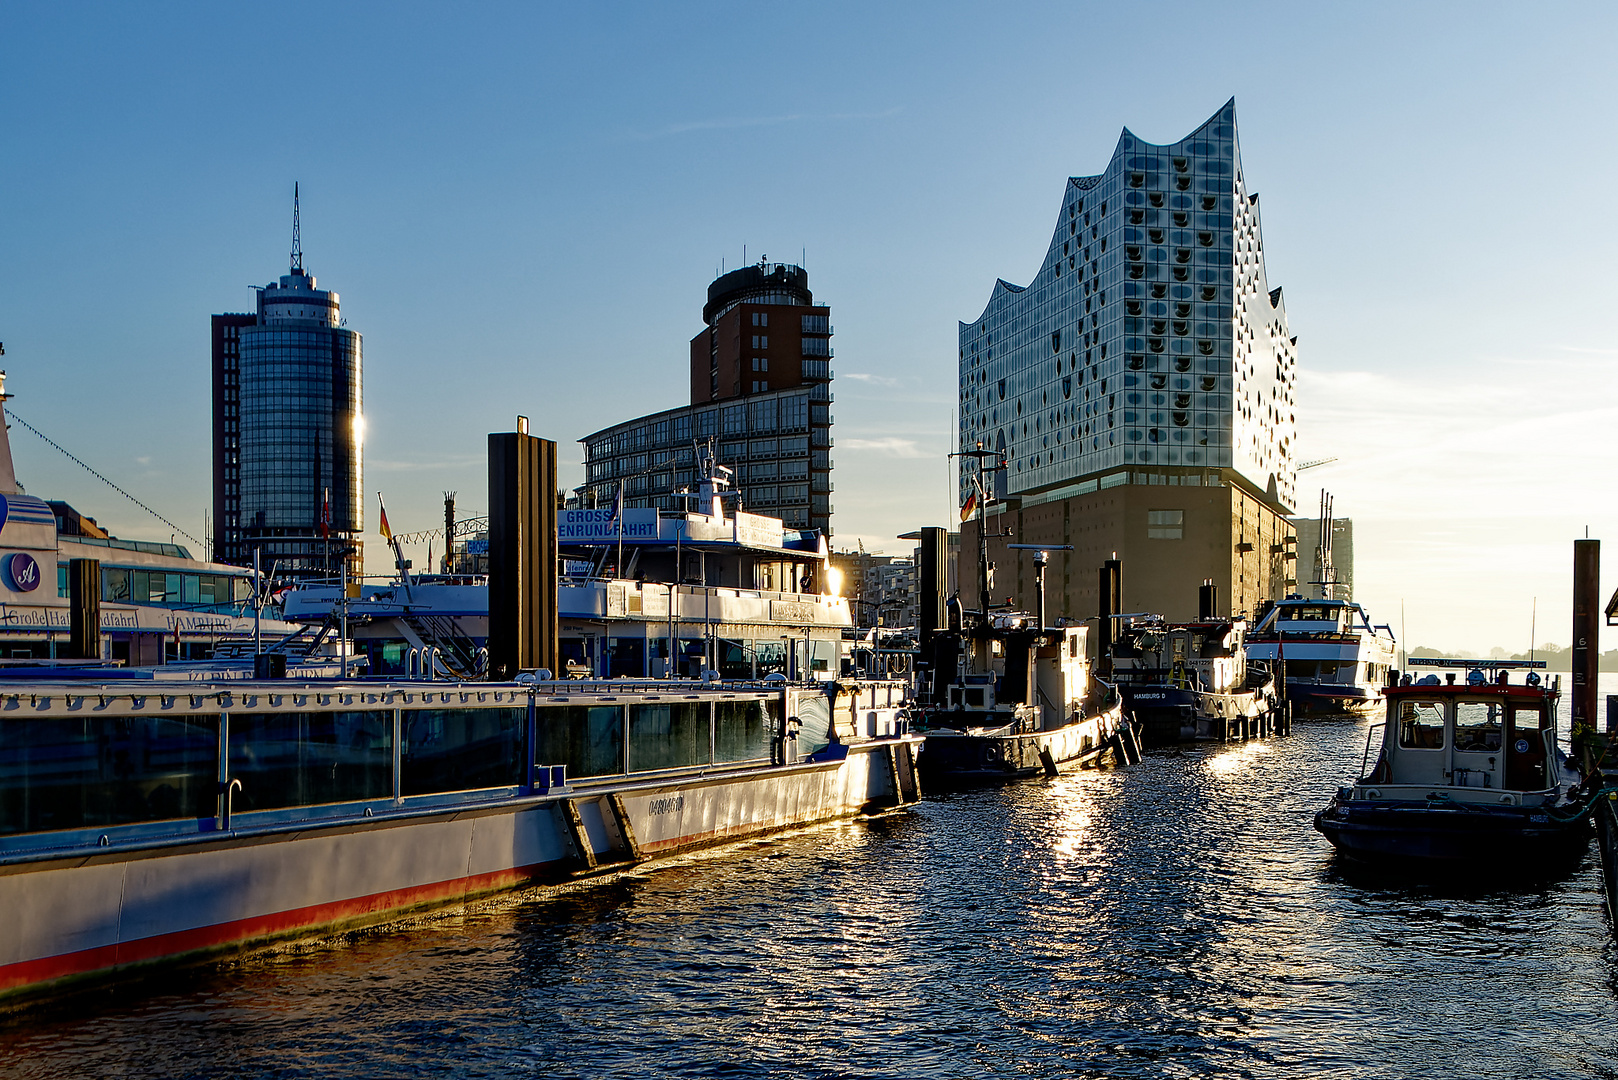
1586 630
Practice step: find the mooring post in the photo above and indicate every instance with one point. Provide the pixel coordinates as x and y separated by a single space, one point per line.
1586 637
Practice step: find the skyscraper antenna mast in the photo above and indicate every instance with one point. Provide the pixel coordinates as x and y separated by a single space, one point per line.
297 241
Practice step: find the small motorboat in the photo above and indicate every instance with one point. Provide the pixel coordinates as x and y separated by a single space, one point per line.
1468 778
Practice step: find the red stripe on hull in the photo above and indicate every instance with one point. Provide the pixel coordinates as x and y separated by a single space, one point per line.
106 958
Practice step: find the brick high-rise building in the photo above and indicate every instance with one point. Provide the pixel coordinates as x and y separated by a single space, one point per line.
760 388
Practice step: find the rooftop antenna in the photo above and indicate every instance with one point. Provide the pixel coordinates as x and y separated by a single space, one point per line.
297 242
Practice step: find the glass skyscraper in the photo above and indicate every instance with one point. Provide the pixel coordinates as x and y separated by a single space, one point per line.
288 431
1142 387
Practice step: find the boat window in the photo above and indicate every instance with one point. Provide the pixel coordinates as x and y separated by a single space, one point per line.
744 730
461 749
669 736
588 739
304 759
1527 717
88 772
1477 726
735 659
1421 725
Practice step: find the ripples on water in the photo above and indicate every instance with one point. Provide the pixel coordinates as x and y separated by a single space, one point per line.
1180 918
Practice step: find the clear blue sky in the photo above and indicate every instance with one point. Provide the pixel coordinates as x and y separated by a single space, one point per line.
522 208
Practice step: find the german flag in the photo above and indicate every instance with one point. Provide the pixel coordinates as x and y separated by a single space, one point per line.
387 533
971 505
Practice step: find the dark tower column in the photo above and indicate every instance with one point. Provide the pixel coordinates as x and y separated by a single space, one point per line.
1586 629
522 553
932 579
449 532
1112 598
84 603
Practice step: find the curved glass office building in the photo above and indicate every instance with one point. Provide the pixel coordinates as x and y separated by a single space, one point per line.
1142 386
289 466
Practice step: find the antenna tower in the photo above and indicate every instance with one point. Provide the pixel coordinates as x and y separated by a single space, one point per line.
297 241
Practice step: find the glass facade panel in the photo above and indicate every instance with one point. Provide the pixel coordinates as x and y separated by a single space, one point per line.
115 584
304 759
91 772
301 438
626 658
668 736
735 659
743 731
588 739
461 749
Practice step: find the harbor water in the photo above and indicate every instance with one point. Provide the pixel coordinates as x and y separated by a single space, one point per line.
1179 918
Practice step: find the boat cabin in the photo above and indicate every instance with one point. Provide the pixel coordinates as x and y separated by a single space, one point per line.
1297 616
1325 643
1208 656
1011 667
1482 740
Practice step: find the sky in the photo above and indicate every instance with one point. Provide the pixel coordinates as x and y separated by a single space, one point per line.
522 207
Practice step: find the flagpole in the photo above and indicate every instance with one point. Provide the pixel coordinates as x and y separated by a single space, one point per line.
325 526
983 541
980 498
620 516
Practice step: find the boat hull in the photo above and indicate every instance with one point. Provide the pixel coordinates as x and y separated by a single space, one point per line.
1327 700
1171 714
1463 837
957 757
88 915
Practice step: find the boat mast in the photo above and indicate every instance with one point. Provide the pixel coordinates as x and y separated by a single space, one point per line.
979 455
983 539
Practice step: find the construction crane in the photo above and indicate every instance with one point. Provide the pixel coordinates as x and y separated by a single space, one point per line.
1315 463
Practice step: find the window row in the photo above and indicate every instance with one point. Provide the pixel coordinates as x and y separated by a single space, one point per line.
94 772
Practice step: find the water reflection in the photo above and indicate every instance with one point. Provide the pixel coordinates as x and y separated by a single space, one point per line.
1178 918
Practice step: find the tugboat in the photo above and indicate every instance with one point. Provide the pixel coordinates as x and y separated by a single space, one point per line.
1012 698
1006 695
1336 661
1469 777
1191 682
